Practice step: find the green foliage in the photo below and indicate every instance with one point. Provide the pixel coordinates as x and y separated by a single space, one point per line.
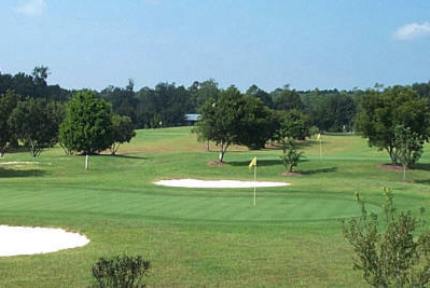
201 92
290 156
87 127
120 272
122 131
382 112
164 106
255 91
292 124
234 119
123 100
256 125
287 99
34 124
8 102
409 146
399 256
331 110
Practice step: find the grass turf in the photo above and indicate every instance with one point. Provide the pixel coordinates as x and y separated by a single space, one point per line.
200 237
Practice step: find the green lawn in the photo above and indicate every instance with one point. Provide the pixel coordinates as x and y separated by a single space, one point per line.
200 237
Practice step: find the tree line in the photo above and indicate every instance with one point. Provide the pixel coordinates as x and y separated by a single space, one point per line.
38 115
166 104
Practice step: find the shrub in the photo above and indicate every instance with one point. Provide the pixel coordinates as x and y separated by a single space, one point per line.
399 256
290 157
120 272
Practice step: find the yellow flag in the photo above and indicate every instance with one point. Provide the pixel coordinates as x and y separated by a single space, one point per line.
319 136
253 162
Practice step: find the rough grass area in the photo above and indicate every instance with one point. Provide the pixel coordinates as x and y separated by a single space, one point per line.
200 237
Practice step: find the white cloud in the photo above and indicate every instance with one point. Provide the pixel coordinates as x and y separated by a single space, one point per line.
412 31
32 7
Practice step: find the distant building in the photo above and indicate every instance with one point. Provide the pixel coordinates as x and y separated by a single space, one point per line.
192 118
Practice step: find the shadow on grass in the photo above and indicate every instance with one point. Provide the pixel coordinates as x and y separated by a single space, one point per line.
423 181
128 156
16 173
422 166
125 156
259 163
262 162
299 144
318 171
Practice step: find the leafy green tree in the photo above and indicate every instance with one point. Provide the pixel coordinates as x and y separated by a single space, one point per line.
87 127
398 255
381 112
122 131
256 125
234 119
286 99
409 146
40 74
220 119
201 92
331 110
35 125
8 102
292 124
290 156
123 100
255 91
164 106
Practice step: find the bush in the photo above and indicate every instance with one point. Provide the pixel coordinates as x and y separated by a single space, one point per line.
399 256
290 157
120 272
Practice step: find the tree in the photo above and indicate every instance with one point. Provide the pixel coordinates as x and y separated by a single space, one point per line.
35 125
398 256
220 119
409 146
256 125
234 119
8 102
40 74
381 112
255 91
164 106
200 92
122 131
286 99
87 127
292 124
290 156
123 100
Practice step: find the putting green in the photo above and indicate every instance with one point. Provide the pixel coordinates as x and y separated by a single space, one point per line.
201 205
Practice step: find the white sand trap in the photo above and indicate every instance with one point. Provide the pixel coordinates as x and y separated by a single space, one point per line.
196 183
28 240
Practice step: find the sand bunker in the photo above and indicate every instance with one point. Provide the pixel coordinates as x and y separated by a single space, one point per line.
27 240
195 183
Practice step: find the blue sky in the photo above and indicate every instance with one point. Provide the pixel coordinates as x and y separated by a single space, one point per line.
307 44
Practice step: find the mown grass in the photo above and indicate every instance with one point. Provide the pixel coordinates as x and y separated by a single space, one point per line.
200 237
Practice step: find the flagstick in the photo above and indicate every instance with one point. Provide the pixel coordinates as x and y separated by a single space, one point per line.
320 150
255 184
86 161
